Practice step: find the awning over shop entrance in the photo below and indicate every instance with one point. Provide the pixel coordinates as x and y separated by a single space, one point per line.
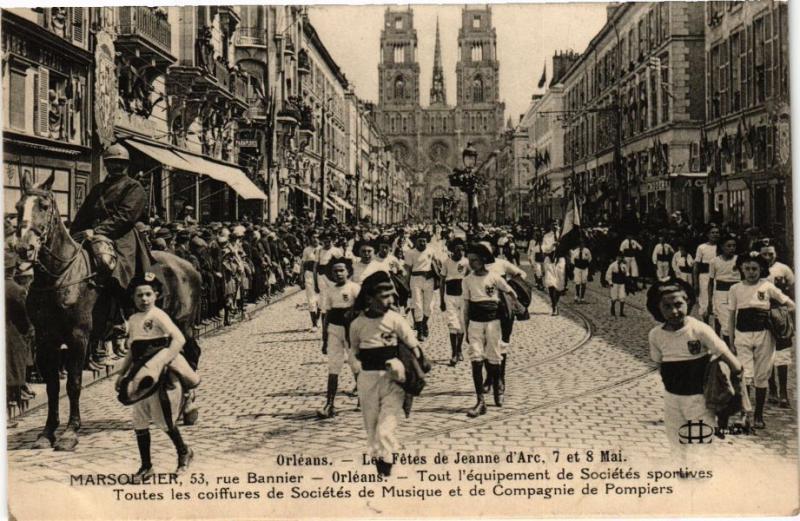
308 192
223 172
341 202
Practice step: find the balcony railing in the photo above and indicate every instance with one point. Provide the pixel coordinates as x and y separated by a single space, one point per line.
251 36
145 22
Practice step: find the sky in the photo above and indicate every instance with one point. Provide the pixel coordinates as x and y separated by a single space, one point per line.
527 36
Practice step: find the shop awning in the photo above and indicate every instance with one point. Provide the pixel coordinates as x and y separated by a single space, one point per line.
692 175
228 174
341 202
330 202
308 192
185 161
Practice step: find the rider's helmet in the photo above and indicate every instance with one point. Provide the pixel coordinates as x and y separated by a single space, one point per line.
116 152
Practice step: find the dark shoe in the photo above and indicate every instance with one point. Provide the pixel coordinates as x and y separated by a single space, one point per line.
453 361
478 410
785 404
143 473
499 391
184 460
384 468
326 412
622 314
758 423
460 356
773 398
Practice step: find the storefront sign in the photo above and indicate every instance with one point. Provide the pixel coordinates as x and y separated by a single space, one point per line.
659 185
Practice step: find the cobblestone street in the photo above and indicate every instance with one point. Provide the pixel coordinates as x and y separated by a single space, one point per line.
580 380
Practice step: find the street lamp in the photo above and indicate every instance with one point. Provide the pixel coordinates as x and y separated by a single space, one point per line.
469 183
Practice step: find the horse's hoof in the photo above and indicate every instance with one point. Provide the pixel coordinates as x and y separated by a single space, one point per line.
66 443
43 442
190 417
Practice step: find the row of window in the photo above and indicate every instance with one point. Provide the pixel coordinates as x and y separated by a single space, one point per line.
641 39
750 66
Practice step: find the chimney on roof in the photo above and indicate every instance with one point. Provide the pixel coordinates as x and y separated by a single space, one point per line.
562 61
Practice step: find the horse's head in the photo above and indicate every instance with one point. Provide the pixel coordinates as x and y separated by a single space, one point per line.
37 215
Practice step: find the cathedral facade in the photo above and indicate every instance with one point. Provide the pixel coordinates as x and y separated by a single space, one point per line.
430 139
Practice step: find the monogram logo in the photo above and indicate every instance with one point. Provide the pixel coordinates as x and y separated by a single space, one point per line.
762 295
148 325
694 346
489 290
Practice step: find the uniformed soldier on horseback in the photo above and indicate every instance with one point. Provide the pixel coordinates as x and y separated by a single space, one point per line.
106 221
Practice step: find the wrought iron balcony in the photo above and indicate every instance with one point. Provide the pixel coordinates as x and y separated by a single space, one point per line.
146 30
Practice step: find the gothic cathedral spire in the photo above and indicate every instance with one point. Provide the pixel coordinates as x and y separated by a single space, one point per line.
437 82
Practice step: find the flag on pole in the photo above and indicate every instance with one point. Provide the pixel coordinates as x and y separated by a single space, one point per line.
543 79
571 229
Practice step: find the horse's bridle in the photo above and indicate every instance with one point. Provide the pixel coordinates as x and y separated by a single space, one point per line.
44 236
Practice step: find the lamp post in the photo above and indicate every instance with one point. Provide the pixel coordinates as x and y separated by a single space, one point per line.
469 183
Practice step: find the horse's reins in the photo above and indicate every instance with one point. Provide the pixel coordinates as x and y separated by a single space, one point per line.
43 238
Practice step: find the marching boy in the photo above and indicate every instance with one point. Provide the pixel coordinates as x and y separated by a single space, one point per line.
337 305
617 277
581 258
481 293
152 333
683 264
454 269
374 338
682 346
662 257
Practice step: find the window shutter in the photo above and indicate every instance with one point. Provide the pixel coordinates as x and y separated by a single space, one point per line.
77 25
41 125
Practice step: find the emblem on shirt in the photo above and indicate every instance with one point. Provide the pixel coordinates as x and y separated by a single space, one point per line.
388 339
148 325
694 346
460 268
489 291
762 295
345 297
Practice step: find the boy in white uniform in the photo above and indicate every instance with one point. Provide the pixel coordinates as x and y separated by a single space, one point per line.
749 302
581 258
782 276
662 257
309 258
481 301
682 347
366 264
629 248
326 253
338 303
723 274
617 277
536 257
683 264
419 263
454 269
705 253
374 337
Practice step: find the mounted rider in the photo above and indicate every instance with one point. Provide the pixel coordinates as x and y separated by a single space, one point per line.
107 219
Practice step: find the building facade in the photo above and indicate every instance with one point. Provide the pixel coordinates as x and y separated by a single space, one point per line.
430 140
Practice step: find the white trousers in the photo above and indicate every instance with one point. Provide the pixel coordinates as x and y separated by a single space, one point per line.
686 277
678 411
722 311
618 292
339 351
756 351
455 313
581 275
702 293
484 341
312 297
662 270
324 283
381 406
421 296
633 266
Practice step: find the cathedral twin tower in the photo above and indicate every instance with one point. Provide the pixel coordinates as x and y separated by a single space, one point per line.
430 140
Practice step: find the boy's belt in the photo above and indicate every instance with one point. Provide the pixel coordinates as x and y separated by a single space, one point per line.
453 287
581 263
618 277
427 274
686 269
146 348
538 257
664 257
723 285
375 359
338 316
322 268
308 265
702 267
630 252
752 319
484 311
